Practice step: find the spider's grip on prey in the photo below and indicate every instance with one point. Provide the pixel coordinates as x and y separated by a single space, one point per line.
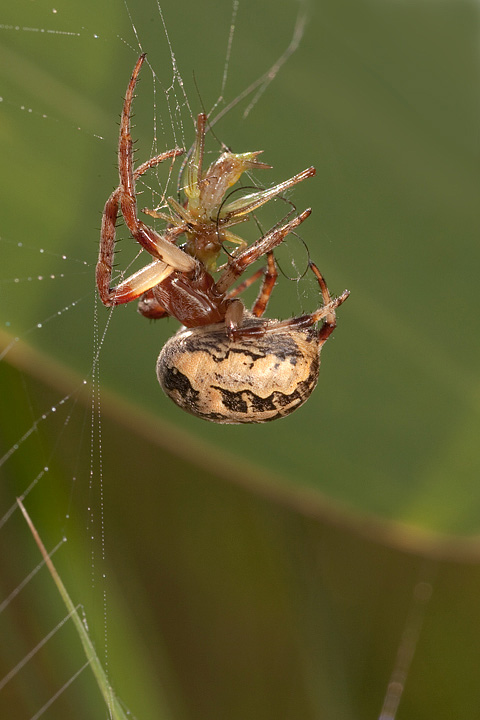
227 364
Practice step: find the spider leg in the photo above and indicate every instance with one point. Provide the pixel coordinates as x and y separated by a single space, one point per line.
136 284
237 265
270 275
303 322
269 280
156 160
246 283
327 311
120 294
154 243
140 282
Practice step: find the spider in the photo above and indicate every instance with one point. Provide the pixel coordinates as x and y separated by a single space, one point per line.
227 364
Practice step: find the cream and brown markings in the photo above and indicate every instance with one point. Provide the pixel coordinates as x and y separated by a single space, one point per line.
253 379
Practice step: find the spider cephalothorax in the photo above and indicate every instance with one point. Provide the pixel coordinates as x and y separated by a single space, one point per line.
231 365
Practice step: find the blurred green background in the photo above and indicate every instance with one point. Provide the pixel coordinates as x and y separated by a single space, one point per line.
265 571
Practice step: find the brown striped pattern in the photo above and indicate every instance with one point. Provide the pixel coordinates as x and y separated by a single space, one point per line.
246 380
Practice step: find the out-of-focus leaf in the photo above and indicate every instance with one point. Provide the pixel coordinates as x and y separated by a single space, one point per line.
234 599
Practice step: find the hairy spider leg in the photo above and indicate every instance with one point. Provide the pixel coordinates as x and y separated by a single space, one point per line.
270 275
303 322
237 265
330 318
137 284
327 311
269 280
157 245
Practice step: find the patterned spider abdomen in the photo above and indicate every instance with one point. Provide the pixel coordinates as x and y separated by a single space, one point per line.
252 379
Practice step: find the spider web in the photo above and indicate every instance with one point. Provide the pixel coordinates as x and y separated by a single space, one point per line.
168 99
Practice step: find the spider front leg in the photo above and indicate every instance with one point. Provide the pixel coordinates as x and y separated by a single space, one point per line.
137 284
157 245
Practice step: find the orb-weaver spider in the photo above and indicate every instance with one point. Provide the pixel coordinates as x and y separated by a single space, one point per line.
228 364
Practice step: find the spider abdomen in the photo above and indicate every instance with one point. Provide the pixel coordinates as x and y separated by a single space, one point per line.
252 379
